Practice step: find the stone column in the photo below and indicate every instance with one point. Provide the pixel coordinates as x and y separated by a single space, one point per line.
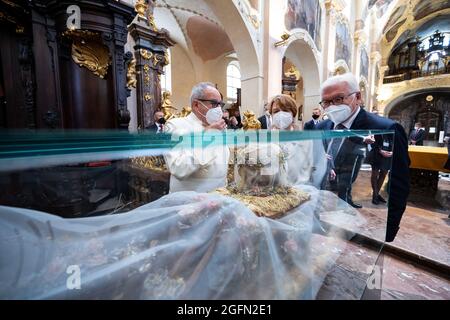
150 52
375 57
327 37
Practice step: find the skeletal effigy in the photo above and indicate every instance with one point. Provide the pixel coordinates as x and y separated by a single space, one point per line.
261 181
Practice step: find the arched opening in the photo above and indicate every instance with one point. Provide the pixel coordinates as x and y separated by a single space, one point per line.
301 55
245 48
429 107
233 81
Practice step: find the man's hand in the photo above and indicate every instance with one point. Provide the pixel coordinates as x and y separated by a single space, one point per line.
369 139
219 125
332 175
386 154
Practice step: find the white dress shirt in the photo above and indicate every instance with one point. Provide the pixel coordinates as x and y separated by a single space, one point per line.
348 123
194 169
268 121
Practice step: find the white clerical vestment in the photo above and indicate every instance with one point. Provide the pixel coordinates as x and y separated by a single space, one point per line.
195 169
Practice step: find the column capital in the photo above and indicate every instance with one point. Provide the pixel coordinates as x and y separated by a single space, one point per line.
375 56
359 38
334 5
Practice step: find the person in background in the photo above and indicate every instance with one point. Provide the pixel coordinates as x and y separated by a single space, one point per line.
232 123
237 115
447 141
266 118
158 126
311 124
380 158
416 136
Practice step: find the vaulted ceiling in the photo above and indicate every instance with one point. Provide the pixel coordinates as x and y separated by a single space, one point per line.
194 27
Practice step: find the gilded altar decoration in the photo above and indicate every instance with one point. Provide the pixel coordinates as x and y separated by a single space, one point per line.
293 73
273 205
166 58
151 22
155 60
148 97
147 55
156 163
141 8
131 74
166 106
89 52
250 121
184 112
284 39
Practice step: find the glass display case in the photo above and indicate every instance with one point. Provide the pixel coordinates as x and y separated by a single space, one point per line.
235 215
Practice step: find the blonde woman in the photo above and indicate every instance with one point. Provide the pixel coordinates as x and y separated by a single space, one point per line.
299 154
283 110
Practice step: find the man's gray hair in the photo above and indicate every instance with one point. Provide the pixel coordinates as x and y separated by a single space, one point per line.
198 90
348 78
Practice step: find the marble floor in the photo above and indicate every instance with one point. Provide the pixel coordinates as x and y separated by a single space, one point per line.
416 265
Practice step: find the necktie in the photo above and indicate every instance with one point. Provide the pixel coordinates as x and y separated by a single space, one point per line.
160 128
336 143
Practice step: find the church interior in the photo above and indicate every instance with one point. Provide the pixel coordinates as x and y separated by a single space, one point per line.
82 83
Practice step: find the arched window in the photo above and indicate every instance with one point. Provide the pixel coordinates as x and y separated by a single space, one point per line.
233 80
166 78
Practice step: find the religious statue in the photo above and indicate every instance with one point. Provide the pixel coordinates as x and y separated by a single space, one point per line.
184 112
250 121
293 73
131 74
167 105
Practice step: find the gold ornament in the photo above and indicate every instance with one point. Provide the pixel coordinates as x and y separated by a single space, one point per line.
131 74
167 105
147 55
141 8
275 205
89 52
250 121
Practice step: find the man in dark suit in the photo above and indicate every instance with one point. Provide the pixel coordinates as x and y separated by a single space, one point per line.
158 125
341 100
416 136
266 118
311 124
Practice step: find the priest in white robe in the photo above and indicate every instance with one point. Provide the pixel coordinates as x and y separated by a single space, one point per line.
200 169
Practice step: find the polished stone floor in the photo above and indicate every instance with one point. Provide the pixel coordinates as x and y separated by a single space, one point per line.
422 270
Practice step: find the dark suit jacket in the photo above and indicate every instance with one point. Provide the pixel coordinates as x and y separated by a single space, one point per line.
309 125
399 177
263 121
152 128
418 138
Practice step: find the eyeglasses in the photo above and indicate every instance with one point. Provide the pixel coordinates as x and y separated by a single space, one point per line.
335 101
214 103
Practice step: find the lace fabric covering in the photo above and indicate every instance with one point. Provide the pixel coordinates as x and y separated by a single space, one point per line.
186 245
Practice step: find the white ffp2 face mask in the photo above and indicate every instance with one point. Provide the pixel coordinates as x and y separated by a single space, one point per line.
339 113
213 115
282 120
